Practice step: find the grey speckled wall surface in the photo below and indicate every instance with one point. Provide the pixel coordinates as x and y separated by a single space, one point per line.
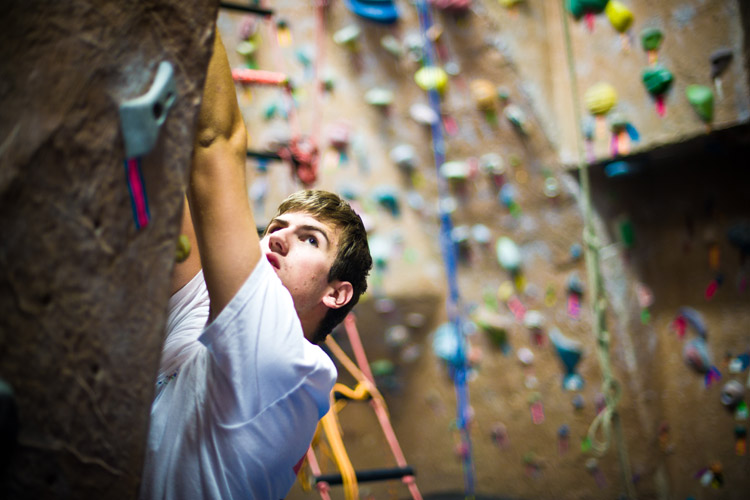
83 292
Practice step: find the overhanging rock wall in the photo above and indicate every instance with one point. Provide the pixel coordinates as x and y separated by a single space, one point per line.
83 292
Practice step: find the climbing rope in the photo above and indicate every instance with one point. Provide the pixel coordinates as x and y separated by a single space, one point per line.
365 390
459 365
608 417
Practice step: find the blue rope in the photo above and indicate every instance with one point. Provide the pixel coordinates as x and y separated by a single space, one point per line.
459 366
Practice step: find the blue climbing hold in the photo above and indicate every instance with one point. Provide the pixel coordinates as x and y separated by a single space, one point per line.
379 11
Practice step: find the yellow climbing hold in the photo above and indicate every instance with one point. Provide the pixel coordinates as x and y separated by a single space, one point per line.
183 248
619 15
431 78
509 3
505 291
600 98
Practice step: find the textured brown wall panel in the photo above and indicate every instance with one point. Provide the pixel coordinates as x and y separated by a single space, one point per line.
83 293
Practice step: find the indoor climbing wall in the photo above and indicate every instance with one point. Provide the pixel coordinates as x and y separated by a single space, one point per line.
90 207
516 228
677 268
647 73
514 124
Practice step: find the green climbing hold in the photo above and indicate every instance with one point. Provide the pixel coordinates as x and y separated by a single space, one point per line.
657 79
580 7
627 233
382 368
701 98
651 39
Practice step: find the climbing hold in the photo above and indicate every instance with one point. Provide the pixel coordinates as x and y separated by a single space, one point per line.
460 237
720 60
329 82
696 355
380 249
379 97
503 93
392 45
740 363
493 165
452 6
575 293
600 98
495 325
382 368
455 170
580 7
510 3
338 136
403 156
446 344
415 320
537 408
619 15
507 196
694 319
283 33
569 351
517 117
414 44
563 438
732 393
481 234
347 36
183 248
304 55
627 232
578 402
387 197
551 187
740 435
423 114
508 254
247 48
618 169
499 435
484 94
142 117
525 356
248 27
651 39
575 285
534 321
431 78
576 252
379 11
701 98
657 79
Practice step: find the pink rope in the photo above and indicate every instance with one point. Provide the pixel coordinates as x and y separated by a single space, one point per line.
377 404
322 487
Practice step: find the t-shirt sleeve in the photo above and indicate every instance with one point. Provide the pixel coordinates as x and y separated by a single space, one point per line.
259 355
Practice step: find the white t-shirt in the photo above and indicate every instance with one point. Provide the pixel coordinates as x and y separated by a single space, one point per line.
237 402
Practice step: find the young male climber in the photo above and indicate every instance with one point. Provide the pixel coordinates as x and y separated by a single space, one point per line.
241 383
